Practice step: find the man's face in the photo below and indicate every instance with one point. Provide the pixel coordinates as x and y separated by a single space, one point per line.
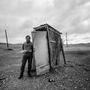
27 39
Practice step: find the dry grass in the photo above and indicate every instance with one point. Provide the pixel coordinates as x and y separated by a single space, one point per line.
73 76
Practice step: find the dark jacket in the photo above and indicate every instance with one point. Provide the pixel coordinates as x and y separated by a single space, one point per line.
28 47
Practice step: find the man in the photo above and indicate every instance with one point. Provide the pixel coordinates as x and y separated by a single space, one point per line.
28 54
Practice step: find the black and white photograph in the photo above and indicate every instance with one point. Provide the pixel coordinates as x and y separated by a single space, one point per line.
44 44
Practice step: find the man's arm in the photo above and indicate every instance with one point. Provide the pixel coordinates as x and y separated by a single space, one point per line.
23 50
23 47
32 47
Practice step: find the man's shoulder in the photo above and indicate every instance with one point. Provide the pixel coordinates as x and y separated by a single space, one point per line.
31 43
25 43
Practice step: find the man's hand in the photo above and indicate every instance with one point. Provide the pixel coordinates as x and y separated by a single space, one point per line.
23 51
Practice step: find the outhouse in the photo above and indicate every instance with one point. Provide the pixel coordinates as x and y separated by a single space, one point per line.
47 45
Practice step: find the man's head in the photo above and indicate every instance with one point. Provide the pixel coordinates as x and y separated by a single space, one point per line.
28 38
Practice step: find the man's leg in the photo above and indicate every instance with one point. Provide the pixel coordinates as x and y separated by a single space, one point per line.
24 60
29 64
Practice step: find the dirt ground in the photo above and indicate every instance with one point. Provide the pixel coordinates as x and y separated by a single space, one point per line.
75 75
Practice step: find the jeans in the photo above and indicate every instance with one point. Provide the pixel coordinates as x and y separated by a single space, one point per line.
26 57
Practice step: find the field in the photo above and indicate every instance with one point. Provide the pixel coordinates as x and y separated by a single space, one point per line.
75 75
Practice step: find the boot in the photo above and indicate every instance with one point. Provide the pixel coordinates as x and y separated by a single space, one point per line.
29 74
21 76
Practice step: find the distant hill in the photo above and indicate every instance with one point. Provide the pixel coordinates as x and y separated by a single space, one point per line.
81 44
11 46
2 43
9 43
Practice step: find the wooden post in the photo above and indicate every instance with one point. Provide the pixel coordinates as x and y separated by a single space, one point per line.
66 40
6 39
49 52
63 52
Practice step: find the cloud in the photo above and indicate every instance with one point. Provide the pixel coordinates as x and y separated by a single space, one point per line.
20 16
79 38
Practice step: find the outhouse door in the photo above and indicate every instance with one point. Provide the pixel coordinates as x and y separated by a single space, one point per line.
41 55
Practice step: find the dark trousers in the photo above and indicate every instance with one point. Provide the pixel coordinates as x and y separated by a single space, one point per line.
26 57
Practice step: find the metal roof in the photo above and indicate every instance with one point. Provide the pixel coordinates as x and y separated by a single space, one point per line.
46 26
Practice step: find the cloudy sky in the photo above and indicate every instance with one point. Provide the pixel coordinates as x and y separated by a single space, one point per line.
20 16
